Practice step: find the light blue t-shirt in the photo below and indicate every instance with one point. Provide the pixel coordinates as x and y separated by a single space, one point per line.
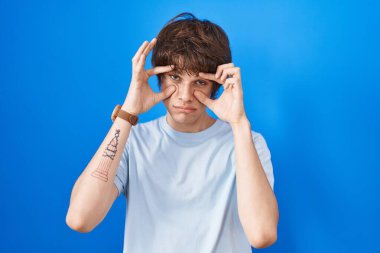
181 189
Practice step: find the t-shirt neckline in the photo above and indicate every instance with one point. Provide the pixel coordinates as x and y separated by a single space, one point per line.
190 137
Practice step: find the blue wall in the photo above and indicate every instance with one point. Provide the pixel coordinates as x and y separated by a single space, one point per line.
310 72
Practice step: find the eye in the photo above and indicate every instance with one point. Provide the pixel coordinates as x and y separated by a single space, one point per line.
202 83
175 77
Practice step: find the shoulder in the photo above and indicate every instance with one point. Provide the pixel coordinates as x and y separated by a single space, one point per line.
146 128
258 137
260 144
150 124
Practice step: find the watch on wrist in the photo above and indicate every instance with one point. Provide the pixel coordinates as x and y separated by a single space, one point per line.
118 112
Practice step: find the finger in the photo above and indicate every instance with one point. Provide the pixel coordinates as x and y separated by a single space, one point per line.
150 46
220 68
233 85
233 72
159 96
209 76
204 99
230 83
145 53
136 57
159 69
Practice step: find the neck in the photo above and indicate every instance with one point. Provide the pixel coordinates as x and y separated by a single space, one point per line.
202 123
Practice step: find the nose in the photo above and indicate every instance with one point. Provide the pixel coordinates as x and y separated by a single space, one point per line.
186 93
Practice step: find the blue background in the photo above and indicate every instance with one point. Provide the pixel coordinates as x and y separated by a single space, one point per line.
311 87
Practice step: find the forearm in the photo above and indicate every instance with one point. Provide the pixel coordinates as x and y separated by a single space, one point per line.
94 187
257 204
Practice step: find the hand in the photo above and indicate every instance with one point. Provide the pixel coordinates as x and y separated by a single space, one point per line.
141 97
229 106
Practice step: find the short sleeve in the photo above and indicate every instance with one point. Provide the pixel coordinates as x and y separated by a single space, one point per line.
264 155
121 177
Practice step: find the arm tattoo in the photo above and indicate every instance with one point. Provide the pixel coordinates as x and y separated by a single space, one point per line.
109 153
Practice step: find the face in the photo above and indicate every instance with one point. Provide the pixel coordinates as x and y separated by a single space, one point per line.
194 111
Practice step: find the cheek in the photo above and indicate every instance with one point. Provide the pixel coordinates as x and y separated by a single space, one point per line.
205 90
167 102
166 84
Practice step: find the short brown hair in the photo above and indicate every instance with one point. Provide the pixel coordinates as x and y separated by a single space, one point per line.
191 45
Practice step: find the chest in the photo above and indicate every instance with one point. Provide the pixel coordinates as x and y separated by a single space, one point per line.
180 176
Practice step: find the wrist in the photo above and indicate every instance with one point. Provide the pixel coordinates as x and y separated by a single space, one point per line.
129 109
243 123
120 112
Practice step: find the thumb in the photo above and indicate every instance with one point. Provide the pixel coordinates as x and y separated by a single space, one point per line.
165 93
204 99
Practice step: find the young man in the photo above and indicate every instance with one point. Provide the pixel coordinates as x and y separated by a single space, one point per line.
192 183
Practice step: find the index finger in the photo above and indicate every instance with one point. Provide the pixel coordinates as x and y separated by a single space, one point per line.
159 70
141 48
146 52
209 76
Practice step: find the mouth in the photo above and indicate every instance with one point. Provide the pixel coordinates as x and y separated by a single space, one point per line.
184 109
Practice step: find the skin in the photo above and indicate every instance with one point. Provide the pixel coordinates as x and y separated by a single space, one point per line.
186 85
94 191
257 204
141 97
93 194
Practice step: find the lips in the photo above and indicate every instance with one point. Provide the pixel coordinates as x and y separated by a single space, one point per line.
184 108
